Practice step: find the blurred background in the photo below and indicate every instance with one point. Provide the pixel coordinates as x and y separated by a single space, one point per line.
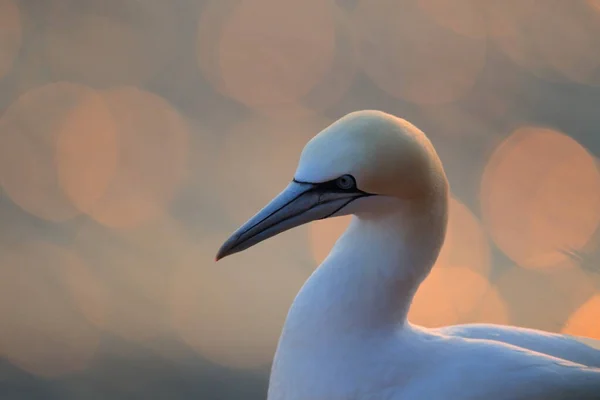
136 135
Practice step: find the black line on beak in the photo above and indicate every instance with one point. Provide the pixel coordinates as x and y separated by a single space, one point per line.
280 208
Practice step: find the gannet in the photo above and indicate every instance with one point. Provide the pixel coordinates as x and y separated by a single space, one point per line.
346 335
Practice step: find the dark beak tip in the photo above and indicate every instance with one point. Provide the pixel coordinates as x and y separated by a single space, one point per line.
226 249
220 254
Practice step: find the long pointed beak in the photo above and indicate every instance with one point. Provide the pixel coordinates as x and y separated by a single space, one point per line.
298 204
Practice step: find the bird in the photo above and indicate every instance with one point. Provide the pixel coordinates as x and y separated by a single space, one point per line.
346 335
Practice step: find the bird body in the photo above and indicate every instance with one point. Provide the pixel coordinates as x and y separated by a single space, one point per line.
346 336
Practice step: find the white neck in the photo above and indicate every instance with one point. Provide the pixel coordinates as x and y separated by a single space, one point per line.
368 281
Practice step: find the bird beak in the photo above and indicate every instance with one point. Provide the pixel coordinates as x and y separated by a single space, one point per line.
298 204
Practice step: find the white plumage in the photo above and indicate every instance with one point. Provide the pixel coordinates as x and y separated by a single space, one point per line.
346 335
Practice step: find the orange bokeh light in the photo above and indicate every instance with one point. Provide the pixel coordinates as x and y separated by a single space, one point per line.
411 56
43 329
10 35
584 321
87 152
457 290
307 92
29 130
273 52
491 308
447 297
152 139
540 196
466 243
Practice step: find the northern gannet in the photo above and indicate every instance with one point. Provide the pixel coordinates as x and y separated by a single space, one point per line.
346 335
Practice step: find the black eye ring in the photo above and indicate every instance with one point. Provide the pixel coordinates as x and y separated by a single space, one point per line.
345 182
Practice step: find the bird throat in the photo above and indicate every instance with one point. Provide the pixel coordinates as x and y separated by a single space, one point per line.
368 281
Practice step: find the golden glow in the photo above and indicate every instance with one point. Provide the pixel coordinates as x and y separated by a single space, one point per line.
584 321
447 296
540 194
491 308
466 243
136 135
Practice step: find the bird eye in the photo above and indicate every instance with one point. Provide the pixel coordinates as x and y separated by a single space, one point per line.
345 182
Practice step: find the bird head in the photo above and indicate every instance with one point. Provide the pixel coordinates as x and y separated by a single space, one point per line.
362 157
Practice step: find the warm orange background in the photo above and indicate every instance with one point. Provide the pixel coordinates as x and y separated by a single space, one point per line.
136 135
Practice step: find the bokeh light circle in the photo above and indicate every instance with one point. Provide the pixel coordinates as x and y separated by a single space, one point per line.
326 79
466 243
491 308
87 152
152 139
584 321
447 296
409 55
274 52
540 196
29 130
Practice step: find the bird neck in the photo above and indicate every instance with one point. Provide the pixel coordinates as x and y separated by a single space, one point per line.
370 277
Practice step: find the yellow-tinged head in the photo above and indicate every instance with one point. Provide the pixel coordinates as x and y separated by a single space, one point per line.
362 155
